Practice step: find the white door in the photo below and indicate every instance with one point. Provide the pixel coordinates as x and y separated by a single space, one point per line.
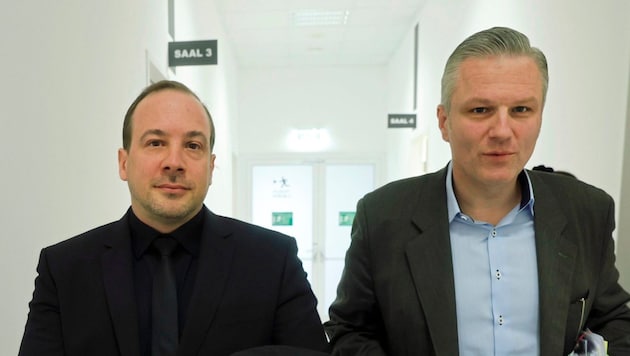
315 203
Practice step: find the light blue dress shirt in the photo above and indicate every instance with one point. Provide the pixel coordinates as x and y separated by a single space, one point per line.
496 278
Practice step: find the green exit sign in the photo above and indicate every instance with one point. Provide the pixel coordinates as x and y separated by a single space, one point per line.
282 218
346 218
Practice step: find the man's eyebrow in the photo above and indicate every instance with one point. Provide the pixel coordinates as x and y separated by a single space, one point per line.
161 133
529 100
155 132
477 101
484 101
191 134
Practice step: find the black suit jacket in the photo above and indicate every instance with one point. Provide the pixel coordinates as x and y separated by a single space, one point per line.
397 294
250 290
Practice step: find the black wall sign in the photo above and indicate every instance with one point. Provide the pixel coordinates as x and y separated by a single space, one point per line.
395 121
192 53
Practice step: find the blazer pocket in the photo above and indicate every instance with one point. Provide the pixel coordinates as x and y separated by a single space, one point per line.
577 317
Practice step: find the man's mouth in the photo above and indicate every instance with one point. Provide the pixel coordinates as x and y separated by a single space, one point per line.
170 187
499 153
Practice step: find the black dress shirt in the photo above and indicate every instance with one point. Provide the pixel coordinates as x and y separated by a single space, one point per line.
185 258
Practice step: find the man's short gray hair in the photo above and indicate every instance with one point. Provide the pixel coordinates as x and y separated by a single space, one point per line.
496 41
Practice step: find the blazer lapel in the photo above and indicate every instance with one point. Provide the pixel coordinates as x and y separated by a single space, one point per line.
556 262
213 273
431 266
119 289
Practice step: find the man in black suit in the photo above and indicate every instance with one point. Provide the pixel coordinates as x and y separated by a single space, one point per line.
483 257
237 286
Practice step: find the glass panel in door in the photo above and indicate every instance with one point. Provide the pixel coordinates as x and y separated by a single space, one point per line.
282 200
345 185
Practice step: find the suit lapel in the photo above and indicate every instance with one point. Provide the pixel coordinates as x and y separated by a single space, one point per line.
118 281
213 272
556 262
431 266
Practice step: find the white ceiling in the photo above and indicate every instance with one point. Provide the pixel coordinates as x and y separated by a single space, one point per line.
262 32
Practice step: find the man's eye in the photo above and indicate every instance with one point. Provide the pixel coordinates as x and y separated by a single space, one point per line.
479 110
155 143
521 109
194 146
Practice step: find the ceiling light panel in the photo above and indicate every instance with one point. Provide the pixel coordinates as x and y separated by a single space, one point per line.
320 18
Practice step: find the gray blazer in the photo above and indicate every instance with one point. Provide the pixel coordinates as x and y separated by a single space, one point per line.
397 297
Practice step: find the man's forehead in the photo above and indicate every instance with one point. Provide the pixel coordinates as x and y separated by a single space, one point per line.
492 70
170 99
481 64
171 108
168 95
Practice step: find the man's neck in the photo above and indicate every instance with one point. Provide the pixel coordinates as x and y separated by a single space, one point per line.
489 204
162 224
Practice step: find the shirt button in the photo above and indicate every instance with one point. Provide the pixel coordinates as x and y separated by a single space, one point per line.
500 319
494 233
498 274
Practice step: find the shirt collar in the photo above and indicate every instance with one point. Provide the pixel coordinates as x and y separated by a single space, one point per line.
188 235
527 193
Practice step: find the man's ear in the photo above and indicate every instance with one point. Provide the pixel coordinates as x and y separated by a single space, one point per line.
443 122
211 168
122 163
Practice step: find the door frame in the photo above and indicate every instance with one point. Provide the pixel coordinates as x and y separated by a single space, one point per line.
243 167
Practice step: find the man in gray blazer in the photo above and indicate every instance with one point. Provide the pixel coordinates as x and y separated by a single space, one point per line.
233 286
483 257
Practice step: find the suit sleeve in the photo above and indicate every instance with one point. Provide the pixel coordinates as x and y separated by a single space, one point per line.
609 315
297 322
356 326
43 334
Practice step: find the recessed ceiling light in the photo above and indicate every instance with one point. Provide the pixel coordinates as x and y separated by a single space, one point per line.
320 18
308 140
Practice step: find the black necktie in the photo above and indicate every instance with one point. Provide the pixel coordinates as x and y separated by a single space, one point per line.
164 313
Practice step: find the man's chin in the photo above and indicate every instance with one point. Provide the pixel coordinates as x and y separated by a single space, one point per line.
174 213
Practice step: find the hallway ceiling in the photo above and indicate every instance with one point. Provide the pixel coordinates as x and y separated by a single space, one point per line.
292 33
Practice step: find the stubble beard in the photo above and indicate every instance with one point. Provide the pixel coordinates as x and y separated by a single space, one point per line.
169 208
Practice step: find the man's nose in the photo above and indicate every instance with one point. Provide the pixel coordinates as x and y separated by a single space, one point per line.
501 124
174 160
